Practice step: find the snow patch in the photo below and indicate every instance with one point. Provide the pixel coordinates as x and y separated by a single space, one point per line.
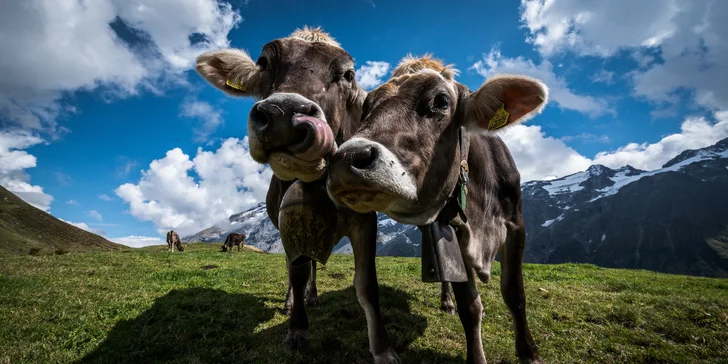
549 222
568 184
621 178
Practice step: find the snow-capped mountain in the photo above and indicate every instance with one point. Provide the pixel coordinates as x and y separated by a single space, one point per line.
673 219
393 238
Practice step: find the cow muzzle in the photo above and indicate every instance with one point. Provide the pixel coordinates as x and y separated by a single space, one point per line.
290 132
366 176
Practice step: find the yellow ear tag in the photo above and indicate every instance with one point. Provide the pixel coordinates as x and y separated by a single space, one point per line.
499 119
237 86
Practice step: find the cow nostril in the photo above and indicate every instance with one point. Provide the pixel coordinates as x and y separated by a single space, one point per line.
364 158
258 117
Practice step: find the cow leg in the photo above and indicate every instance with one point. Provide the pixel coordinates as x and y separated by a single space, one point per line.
288 305
298 336
311 291
446 304
363 242
470 310
515 296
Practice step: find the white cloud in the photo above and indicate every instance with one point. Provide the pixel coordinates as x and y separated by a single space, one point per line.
541 157
84 226
105 197
587 138
72 202
54 47
136 241
124 167
679 45
13 163
227 181
210 118
604 76
95 215
494 63
695 133
370 74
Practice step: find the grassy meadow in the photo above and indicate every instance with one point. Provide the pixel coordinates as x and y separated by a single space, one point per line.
203 306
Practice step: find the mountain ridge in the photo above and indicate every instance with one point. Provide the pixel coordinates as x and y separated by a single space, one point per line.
669 219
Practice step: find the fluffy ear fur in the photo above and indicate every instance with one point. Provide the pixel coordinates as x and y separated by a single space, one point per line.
234 65
522 98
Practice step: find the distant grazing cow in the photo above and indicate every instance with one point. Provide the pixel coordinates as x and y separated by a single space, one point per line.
233 239
427 152
173 241
309 102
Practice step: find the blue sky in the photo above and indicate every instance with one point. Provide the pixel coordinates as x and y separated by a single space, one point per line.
105 124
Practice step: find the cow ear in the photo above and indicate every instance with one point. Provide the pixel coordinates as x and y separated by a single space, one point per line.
230 70
504 100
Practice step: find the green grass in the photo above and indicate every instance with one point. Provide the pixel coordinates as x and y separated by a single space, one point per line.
149 305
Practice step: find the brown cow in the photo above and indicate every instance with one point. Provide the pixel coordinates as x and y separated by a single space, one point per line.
173 241
421 133
309 103
233 239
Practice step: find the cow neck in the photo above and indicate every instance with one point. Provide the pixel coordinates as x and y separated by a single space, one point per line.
456 203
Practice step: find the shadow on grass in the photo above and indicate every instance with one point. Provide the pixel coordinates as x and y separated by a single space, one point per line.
200 325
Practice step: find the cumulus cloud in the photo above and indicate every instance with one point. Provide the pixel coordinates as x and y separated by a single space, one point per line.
136 241
210 119
13 163
188 195
104 197
679 45
84 226
695 133
540 157
494 63
95 215
54 47
371 74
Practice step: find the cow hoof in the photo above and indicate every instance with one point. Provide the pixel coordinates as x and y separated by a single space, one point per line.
448 308
287 311
388 357
297 339
312 301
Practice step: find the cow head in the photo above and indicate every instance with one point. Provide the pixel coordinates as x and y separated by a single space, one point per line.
308 99
404 158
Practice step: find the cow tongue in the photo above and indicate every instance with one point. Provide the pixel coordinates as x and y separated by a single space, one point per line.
319 138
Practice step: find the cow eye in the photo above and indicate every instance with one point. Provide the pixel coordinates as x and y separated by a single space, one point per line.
349 75
262 63
441 101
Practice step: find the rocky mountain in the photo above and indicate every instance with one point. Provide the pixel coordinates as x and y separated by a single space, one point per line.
393 238
673 219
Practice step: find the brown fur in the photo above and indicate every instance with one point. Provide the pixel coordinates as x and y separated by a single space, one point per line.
233 239
420 140
174 242
309 66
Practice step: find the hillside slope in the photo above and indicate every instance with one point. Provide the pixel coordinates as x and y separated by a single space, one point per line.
23 227
203 306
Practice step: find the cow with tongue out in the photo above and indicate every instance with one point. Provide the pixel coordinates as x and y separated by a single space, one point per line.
308 103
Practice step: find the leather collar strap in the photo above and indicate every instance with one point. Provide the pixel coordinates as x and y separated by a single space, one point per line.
456 204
